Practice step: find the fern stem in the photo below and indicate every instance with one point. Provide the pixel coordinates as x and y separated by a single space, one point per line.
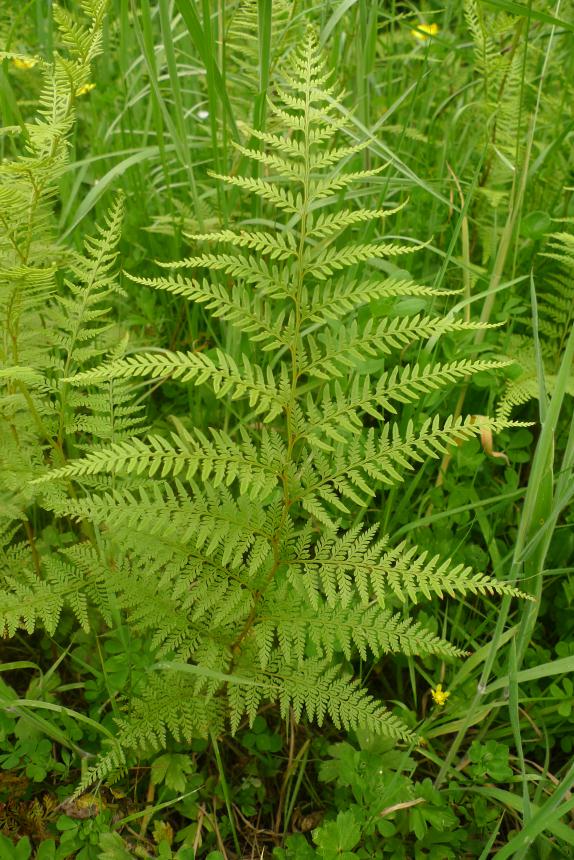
294 350
33 548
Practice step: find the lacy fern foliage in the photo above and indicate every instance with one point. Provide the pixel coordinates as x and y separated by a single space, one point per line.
244 554
554 317
56 321
31 350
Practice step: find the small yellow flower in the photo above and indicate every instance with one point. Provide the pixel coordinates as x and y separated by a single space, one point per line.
24 62
422 32
85 89
439 695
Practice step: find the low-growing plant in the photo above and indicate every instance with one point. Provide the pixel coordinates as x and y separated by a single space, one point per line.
196 596
244 554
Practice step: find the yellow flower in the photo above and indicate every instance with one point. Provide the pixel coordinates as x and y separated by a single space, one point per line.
85 89
422 32
24 62
439 695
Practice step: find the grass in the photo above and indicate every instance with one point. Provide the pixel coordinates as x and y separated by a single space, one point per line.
174 88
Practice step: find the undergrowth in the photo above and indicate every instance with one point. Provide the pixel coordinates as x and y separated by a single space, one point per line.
286 451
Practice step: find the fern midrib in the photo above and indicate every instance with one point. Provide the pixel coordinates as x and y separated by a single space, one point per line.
294 346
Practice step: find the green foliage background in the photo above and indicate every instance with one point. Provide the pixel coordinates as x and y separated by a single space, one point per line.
287 297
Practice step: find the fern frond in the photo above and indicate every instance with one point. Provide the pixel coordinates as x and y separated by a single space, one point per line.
269 279
555 320
337 566
500 60
340 408
353 467
225 549
320 189
408 573
341 295
248 314
322 689
327 225
212 518
219 459
26 603
283 199
327 357
168 705
243 51
277 246
224 376
293 170
325 262
368 631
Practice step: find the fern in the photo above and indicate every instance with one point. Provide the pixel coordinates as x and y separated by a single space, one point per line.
499 61
56 321
30 256
555 317
232 551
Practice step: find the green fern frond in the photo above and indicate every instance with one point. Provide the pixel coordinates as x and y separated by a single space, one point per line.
277 246
321 189
243 49
341 295
247 313
340 409
268 278
219 459
353 468
326 357
500 60
368 631
355 566
283 199
223 375
229 553
329 224
322 690
31 307
325 262
27 603
555 319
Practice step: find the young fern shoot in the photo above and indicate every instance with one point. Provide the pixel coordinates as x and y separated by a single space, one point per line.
242 554
38 327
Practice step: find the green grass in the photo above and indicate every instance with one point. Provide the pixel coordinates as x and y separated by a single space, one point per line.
480 159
